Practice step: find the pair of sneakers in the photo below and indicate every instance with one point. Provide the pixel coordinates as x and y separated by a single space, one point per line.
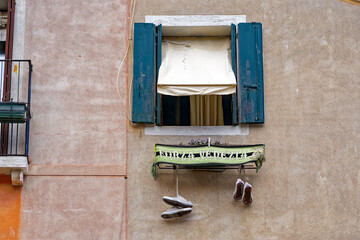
181 207
243 192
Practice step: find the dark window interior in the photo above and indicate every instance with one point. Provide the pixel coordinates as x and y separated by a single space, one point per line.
176 110
2 47
227 107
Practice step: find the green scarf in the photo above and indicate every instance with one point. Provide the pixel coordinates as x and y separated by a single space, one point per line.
208 156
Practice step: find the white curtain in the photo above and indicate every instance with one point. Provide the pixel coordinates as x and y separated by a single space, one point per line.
206 110
196 66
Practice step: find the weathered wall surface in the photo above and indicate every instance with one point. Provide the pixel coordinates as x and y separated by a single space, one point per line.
76 48
307 189
76 183
309 185
71 207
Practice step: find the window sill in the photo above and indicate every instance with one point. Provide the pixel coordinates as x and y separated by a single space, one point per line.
16 166
197 131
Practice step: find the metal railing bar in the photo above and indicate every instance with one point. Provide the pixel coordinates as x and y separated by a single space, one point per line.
17 138
13 155
28 115
11 138
2 77
16 60
11 129
18 79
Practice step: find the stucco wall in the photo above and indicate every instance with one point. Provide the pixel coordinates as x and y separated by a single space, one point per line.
76 48
80 138
72 207
76 183
309 185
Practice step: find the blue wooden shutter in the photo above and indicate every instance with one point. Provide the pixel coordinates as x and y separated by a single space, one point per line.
250 73
144 75
233 64
158 63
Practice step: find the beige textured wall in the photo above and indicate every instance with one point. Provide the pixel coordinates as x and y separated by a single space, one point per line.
78 144
76 48
69 207
309 187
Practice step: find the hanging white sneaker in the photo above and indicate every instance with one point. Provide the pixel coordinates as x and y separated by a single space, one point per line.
178 201
175 212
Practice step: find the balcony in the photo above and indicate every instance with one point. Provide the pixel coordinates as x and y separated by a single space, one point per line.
15 94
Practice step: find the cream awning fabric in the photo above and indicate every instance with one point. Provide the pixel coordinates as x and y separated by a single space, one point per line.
196 66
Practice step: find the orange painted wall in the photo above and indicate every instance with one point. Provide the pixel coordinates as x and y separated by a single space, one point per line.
10 203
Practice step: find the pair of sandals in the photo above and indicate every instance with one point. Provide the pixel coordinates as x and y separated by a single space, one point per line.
181 207
243 192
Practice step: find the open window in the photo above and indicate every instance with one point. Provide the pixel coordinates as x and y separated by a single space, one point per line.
196 76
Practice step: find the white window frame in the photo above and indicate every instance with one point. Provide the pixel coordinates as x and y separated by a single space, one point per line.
179 23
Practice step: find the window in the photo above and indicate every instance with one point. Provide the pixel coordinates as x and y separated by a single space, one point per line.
244 106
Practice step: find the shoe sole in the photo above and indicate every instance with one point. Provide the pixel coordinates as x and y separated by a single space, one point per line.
238 193
175 214
247 198
176 203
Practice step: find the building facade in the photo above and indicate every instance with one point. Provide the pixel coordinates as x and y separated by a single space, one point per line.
89 175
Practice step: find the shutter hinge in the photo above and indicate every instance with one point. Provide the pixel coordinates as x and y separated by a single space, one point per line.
253 86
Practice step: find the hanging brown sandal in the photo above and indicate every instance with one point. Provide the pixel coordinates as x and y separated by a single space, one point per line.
247 198
239 189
